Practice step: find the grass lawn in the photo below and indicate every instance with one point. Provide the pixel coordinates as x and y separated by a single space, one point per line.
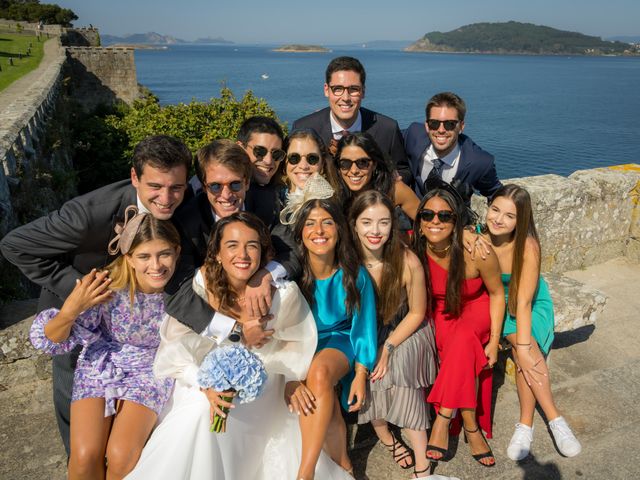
10 46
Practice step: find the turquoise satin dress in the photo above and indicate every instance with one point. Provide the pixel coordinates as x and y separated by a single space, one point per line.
354 335
542 318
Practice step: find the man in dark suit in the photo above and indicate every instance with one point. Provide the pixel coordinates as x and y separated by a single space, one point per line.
437 148
59 248
345 88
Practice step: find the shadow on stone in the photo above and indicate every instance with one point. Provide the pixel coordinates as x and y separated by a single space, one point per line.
534 470
572 337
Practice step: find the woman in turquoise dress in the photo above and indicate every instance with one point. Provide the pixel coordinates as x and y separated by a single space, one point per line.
529 320
342 300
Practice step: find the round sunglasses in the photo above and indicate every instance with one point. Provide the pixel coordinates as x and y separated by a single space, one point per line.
216 187
260 152
296 158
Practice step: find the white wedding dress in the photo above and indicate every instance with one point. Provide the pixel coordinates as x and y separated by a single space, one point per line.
262 439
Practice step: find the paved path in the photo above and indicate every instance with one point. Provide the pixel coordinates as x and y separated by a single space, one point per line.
17 88
595 378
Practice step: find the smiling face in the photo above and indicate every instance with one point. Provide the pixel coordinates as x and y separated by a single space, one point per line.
502 216
160 191
373 227
239 252
226 201
154 263
444 141
344 107
299 173
356 178
319 233
264 167
437 232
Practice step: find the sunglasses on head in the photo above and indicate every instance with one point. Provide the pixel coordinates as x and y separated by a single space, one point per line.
216 187
448 124
260 152
361 163
445 216
296 158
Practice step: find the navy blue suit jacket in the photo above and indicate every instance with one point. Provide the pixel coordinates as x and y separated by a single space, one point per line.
477 167
383 129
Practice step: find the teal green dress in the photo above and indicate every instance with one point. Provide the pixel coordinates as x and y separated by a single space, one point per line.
542 320
354 335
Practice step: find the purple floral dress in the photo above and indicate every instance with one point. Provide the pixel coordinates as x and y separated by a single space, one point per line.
120 343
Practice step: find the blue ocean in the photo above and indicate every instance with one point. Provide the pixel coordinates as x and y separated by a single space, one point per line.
536 114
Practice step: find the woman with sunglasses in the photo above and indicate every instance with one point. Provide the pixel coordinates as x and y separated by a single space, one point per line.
529 319
466 300
342 299
406 364
363 166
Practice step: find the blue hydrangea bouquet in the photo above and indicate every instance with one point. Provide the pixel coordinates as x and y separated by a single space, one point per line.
232 368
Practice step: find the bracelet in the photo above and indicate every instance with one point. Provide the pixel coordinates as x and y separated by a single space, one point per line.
524 344
494 335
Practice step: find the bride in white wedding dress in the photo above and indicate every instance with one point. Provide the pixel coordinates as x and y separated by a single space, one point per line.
262 438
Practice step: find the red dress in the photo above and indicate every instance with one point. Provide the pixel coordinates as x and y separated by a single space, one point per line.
460 342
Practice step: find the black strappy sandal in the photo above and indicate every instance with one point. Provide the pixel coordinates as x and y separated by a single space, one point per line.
479 456
406 456
418 472
443 451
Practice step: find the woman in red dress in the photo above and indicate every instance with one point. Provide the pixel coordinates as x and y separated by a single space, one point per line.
466 300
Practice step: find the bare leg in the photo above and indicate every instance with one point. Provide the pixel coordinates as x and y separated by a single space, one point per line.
529 394
477 442
401 454
131 428
328 366
418 440
89 434
336 438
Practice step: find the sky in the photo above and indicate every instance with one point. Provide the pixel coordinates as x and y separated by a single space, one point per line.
351 21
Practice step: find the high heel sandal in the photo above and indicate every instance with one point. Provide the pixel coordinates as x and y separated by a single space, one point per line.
406 457
443 451
418 472
479 456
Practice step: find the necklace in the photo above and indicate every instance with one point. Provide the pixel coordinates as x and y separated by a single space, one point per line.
373 264
439 250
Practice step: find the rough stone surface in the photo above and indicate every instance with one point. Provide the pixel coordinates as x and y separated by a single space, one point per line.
575 304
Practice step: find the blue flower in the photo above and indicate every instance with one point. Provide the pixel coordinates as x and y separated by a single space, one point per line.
233 367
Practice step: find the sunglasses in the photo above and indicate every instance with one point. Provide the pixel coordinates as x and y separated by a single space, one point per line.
448 124
361 164
260 152
445 216
296 158
234 186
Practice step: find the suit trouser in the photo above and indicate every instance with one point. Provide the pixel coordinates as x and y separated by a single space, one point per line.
63 368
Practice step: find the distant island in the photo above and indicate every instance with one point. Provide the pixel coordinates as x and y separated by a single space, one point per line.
302 48
153 38
518 38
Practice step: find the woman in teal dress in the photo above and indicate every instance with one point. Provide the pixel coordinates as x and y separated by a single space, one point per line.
342 300
529 318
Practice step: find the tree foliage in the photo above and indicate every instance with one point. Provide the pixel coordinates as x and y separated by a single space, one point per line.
33 11
105 141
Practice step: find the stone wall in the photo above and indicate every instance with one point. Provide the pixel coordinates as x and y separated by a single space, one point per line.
586 218
102 75
48 30
81 37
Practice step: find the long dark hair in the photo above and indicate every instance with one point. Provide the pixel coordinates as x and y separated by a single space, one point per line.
382 178
345 255
215 277
389 292
525 228
453 297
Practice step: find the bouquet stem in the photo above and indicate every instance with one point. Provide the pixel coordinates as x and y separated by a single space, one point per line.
219 424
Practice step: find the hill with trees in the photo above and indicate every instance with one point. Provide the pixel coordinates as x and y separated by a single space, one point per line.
517 38
33 11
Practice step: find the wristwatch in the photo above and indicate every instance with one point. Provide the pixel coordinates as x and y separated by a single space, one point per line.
236 333
390 347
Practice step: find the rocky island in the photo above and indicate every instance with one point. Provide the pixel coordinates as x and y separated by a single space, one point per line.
518 38
302 49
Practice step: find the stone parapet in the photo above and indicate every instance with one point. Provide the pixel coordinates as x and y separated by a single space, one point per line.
586 218
32 28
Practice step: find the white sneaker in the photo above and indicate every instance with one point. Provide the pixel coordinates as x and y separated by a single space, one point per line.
566 441
520 443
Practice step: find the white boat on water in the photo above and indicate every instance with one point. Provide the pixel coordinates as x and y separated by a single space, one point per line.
264 76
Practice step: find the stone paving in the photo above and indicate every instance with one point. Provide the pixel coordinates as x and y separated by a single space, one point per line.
595 378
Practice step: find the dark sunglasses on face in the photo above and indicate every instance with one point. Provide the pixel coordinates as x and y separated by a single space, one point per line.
234 186
361 163
260 152
352 90
296 158
448 124
428 215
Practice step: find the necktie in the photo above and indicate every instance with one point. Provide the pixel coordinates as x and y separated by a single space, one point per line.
333 144
436 171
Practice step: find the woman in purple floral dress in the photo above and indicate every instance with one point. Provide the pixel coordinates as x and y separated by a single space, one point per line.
115 315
